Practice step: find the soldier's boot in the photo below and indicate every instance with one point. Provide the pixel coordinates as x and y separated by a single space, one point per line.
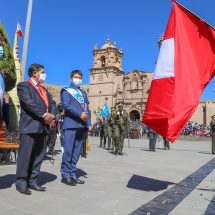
112 144
150 145
100 142
104 142
121 145
117 146
154 145
168 146
108 145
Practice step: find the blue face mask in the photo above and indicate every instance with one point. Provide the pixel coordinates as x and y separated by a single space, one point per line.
1 51
77 82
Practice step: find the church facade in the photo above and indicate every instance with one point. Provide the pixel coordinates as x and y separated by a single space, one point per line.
109 83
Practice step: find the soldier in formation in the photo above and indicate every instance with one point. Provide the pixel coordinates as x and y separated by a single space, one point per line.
212 124
152 135
121 128
103 132
166 144
111 127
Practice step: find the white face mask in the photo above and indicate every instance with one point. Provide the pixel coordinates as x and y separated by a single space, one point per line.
77 82
42 77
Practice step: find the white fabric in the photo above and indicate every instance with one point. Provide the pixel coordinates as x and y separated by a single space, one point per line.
165 63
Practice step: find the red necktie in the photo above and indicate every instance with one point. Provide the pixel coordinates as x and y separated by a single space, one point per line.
43 94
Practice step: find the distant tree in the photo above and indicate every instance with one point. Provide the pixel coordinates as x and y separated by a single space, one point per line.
7 64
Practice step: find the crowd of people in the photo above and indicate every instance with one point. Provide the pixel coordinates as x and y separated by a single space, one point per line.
193 128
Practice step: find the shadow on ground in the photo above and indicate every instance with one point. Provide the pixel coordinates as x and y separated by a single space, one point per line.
207 153
6 181
46 177
147 184
81 173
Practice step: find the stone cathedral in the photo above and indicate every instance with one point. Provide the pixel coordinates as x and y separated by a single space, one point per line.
108 82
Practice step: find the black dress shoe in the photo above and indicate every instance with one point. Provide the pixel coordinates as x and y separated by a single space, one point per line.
77 181
68 181
120 153
37 188
23 190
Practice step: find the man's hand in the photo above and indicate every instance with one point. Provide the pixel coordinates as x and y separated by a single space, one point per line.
83 116
48 118
89 128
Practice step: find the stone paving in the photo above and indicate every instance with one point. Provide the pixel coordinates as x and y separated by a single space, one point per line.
116 184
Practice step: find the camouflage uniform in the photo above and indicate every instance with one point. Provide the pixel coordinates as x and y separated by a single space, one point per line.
102 132
122 127
111 127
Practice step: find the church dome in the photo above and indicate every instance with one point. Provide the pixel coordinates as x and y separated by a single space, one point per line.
108 45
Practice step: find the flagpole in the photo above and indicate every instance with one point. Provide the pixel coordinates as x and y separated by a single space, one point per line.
26 37
193 13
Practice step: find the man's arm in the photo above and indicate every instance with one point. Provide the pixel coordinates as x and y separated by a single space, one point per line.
26 101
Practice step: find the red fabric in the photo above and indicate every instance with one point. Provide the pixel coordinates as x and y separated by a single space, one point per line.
41 91
172 101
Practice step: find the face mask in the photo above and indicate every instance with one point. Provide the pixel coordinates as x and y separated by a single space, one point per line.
42 77
77 82
1 51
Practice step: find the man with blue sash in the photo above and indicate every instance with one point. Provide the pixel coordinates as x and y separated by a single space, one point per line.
76 122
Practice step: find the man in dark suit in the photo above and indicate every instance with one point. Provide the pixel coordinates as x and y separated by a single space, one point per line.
76 122
37 112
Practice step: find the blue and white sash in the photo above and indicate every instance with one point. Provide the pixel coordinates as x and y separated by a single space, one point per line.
78 96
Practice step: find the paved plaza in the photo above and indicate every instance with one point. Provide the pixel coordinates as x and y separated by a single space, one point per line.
180 181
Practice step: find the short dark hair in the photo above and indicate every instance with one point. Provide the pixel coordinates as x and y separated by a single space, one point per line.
35 67
76 72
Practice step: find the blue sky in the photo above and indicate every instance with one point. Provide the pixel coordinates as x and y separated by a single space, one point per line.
63 32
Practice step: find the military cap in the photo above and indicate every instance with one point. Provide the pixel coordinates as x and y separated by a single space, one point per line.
120 104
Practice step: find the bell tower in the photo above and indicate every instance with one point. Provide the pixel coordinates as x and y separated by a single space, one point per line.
105 76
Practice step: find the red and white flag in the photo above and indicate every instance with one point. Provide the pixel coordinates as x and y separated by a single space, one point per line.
19 30
185 66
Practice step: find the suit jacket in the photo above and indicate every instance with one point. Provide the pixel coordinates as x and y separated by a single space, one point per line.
73 110
33 109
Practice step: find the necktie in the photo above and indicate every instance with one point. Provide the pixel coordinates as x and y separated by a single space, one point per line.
43 94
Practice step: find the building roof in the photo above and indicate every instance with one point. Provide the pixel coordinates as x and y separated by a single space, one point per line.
108 45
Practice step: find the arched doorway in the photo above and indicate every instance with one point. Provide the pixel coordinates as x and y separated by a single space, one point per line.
134 115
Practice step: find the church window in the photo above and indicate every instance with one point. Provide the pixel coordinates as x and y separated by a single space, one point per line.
103 61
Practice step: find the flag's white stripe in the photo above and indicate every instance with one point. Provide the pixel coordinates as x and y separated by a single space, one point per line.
165 63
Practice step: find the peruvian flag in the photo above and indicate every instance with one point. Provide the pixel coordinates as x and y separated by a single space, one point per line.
185 66
19 30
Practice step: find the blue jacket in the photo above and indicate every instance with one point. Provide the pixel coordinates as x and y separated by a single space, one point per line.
73 110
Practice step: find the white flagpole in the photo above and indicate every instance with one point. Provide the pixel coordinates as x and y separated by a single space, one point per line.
26 36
